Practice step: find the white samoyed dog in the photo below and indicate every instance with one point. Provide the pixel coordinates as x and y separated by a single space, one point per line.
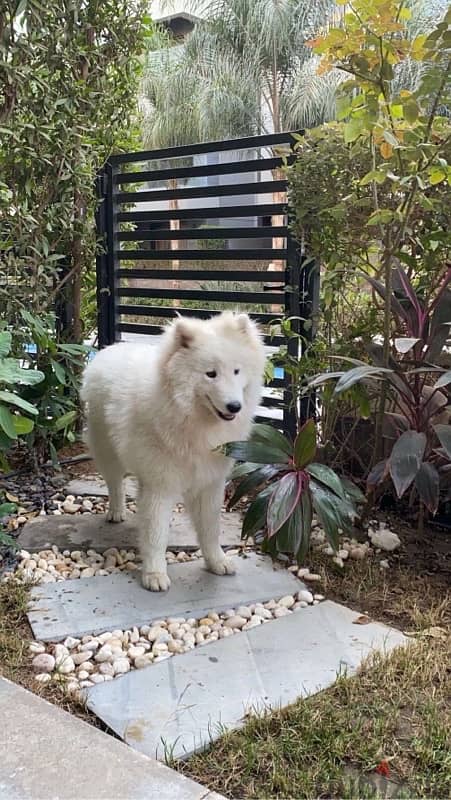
158 412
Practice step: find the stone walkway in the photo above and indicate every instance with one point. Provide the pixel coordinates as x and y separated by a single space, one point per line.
179 704
47 754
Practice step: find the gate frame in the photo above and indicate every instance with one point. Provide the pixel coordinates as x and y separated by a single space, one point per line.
301 284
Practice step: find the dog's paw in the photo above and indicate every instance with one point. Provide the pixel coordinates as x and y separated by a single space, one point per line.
155 581
115 515
223 566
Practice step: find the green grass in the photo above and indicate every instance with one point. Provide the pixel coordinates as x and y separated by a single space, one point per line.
396 709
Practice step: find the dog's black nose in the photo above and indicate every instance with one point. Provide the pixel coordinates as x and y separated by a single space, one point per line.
234 407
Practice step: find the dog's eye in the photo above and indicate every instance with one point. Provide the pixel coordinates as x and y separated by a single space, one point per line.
211 374
236 371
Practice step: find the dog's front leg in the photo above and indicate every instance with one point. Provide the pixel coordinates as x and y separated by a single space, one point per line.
205 510
154 512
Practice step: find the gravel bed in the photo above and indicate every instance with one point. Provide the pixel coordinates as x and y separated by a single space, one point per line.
77 664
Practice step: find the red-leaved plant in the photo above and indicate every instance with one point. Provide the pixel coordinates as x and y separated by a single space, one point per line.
288 486
417 423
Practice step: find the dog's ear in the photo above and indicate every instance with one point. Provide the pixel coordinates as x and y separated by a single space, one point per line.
183 333
243 323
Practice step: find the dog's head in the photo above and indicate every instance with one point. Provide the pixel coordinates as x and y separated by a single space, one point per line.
214 365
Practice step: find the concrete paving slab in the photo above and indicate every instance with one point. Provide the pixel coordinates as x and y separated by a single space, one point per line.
47 753
84 531
84 487
184 703
94 605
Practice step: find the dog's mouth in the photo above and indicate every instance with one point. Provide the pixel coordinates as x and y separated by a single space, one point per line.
226 417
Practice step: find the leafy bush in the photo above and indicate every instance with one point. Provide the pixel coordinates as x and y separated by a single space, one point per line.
55 398
14 381
420 457
68 87
289 487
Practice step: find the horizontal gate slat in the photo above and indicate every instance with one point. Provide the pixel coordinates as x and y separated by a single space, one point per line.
205 170
230 190
263 253
202 274
254 210
266 232
172 313
155 330
246 143
262 298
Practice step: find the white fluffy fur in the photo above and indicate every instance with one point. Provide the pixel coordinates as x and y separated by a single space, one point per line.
151 413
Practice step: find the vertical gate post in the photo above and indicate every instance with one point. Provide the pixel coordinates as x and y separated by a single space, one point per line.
292 275
106 260
101 260
308 308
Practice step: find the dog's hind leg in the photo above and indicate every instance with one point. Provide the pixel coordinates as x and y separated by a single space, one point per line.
109 466
205 511
154 513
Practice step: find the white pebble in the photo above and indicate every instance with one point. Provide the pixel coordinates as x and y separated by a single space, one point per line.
159 647
143 661
66 665
343 554
43 677
80 658
319 597
305 595
282 611
252 623
121 666
105 654
37 647
86 666
83 675
70 642
385 539
235 622
244 611
106 669
313 577
85 684
303 572
44 662
97 678
287 601
135 650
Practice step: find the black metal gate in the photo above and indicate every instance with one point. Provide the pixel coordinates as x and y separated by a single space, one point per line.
220 210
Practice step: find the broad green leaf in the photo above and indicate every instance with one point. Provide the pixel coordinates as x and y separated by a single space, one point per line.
444 434
382 216
353 493
410 110
305 444
405 459
22 425
5 343
437 175
59 371
65 420
377 474
353 129
427 483
444 380
326 505
376 176
267 434
6 509
318 380
10 372
255 452
328 477
357 374
255 517
250 482
283 501
242 469
15 400
7 422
